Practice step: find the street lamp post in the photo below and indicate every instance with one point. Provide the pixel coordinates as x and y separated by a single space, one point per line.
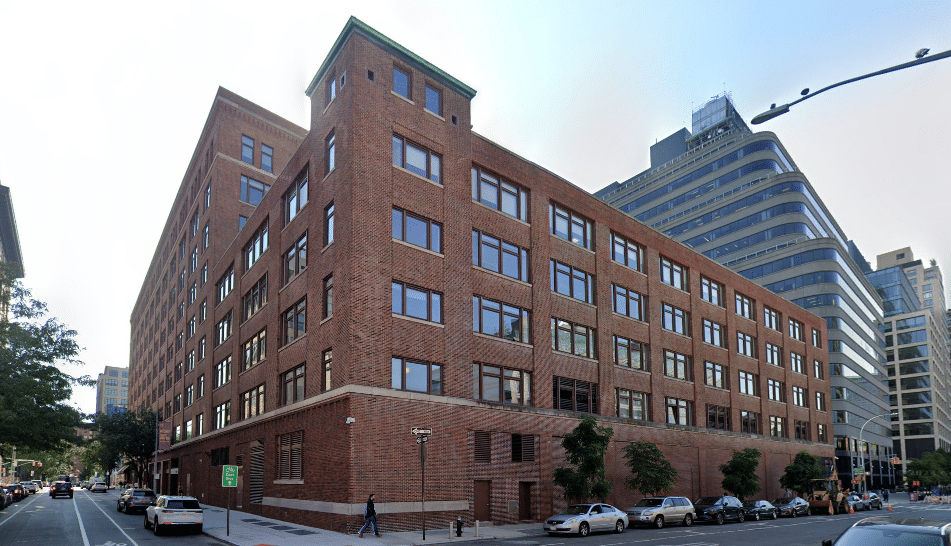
782 109
862 442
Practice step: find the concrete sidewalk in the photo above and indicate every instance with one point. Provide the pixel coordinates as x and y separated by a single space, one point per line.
250 530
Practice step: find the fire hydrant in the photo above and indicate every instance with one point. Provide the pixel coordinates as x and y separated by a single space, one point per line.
459 526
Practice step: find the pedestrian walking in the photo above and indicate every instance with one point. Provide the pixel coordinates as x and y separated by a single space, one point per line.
885 495
369 517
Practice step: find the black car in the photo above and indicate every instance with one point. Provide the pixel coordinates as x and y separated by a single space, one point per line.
887 531
135 499
792 506
17 492
719 509
60 489
759 509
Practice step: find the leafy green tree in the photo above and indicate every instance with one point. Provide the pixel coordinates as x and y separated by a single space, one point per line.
651 472
933 468
34 413
739 473
129 434
585 447
800 473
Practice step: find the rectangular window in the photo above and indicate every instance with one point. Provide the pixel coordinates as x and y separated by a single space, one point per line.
774 355
630 354
255 298
820 401
225 284
329 224
679 412
192 293
201 348
189 395
207 197
818 369
802 430
328 307
677 366
331 152
816 338
523 448
714 333
223 328
575 395
190 329
775 390
749 384
749 422
252 402
715 375
632 405
718 417
627 253
417 376
417 230
568 225
295 321
177 404
200 386
673 274
327 361
799 397
296 197
821 434
711 291
771 318
497 319
205 240
795 329
223 415
575 339
267 158
254 350
417 159
498 384
571 282
255 247
331 87
675 320
433 100
746 344
402 83
420 303
247 149
777 426
290 456
628 302
190 361
745 307
252 191
497 255
295 259
494 192
292 383
222 372
795 363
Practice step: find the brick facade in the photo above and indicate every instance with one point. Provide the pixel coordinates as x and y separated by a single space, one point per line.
342 462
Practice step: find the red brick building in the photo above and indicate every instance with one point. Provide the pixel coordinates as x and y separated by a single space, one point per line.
393 269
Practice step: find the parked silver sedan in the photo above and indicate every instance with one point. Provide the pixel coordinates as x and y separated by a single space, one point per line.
585 518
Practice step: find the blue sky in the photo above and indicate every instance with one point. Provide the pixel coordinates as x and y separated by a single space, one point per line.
101 104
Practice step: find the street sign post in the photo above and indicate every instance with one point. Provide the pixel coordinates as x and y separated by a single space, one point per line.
420 430
422 437
229 479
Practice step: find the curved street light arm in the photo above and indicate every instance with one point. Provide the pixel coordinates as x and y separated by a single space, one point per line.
780 110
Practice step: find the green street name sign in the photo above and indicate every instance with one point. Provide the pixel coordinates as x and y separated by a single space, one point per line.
229 476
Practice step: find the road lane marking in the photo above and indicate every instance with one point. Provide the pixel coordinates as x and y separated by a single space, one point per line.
96 504
19 508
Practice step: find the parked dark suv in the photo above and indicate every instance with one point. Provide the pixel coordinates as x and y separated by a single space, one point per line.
60 489
719 509
135 499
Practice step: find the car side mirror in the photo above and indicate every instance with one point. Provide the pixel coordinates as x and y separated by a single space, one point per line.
827 542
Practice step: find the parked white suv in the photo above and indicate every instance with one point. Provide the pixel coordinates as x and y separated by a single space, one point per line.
658 511
169 512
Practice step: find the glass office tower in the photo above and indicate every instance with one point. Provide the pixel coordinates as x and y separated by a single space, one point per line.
737 197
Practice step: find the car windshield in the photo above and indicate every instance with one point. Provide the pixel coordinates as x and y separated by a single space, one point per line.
707 500
869 536
649 503
751 504
576 509
780 502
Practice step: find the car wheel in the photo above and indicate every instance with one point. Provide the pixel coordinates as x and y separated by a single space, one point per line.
659 522
198 528
146 523
688 520
794 512
619 526
720 518
583 529
118 506
879 506
70 495
156 528
741 517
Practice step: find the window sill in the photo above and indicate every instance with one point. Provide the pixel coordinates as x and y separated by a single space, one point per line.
503 340
497 211
288 482
501 275
417 247
572 243
630 369
572 355
420 321
395 94
616 314
325 320
300 337
411 173
569 298
434 114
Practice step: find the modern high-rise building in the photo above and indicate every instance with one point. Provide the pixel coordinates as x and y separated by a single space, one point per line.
917 352
9 240
112 390
737 197
316 296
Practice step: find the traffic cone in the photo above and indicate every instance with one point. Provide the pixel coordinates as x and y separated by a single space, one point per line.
851 510
889 507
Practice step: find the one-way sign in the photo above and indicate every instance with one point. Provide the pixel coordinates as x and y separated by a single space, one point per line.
420 430
422 439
